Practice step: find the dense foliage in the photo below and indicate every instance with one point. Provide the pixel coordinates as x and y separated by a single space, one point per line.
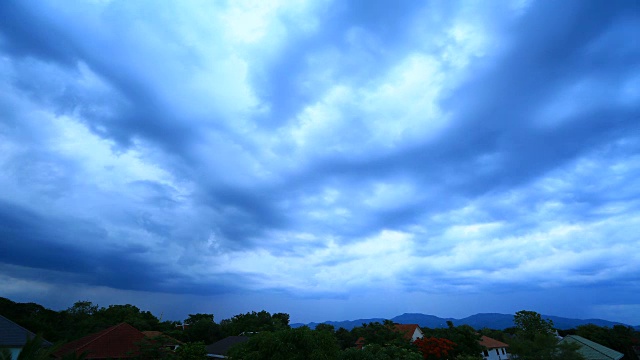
465 338
530 324
295 344
379 352
382 334
254 322
435 348
535 339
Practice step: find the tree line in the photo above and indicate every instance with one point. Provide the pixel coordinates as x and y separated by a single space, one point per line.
271 336
84 318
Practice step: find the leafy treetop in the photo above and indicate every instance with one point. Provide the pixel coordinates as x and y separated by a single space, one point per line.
530 323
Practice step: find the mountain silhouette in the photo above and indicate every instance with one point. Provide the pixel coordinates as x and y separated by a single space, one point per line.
477 321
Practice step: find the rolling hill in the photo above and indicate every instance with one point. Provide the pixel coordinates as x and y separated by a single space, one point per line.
477 321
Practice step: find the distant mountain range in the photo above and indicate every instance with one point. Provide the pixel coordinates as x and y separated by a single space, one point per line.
477 321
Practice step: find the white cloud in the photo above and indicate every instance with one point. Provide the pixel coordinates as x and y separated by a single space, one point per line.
160 131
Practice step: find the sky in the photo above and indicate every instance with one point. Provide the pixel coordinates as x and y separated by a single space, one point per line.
333 160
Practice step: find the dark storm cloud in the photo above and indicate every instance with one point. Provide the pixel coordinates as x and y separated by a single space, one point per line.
76 252
29 32
320 148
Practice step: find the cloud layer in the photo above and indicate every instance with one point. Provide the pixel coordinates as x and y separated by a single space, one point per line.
319 150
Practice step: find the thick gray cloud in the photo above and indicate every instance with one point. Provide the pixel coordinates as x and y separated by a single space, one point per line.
322 152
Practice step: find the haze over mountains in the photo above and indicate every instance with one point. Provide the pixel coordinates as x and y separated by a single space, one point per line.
477 321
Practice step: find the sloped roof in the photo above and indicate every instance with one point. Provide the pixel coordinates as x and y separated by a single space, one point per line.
491 343
592 350
222 347
407 330
117 342
14 335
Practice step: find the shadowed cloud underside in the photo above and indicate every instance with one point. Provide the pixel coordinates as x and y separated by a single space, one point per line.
322 153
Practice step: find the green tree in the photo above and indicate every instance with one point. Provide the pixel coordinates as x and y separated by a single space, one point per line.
79 320
5 354
535 340
346 339
194 318
379 352
383 334
83 309
465 337
494 334
254 322
530 323
381 341
469 357
153 349
132 315
325 327
292 344
191 351
202 329
543 347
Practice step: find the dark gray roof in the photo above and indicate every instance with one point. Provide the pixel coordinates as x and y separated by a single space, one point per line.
222 347
14 335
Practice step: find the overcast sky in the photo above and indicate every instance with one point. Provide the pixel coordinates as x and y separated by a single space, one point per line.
329 159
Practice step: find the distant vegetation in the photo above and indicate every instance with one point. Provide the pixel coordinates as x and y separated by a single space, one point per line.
272 337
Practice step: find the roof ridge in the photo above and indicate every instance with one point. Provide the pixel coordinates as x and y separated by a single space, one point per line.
101 334
16 324
25 329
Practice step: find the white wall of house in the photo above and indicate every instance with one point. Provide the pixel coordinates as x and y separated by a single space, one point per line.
417 334
15 351
495 354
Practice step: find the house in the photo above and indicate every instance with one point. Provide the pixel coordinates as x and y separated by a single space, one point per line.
14 336
592 350
494 349
219 349
117 342
411 332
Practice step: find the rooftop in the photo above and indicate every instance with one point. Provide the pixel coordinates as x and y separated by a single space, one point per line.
491 343
14 335
117 342
592 350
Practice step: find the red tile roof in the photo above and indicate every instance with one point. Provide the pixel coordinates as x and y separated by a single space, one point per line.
117 342
490 343
407 330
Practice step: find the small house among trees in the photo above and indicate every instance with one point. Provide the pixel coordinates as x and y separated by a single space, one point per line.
220 349
494 349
